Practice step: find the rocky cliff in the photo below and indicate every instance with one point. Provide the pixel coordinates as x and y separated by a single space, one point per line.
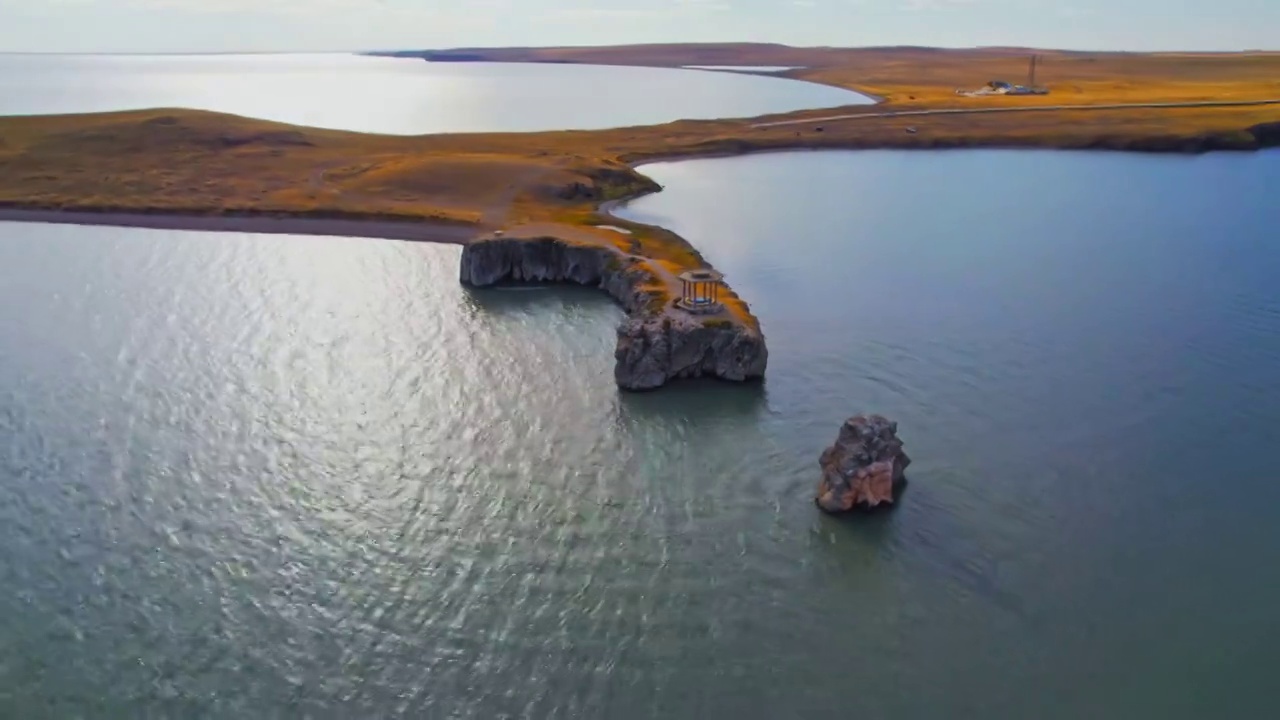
1267 134
864 468
656 342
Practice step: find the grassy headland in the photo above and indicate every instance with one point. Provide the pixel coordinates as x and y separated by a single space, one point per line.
192 163
931 75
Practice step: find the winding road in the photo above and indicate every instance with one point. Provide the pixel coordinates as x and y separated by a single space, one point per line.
1032 108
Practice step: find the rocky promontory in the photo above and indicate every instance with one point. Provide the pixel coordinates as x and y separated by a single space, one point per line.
864 468
658 341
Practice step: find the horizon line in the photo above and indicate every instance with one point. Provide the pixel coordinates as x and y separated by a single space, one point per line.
386 51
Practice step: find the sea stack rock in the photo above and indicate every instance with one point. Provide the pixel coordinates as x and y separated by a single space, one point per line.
864 468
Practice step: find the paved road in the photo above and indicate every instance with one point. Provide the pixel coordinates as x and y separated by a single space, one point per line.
1032 108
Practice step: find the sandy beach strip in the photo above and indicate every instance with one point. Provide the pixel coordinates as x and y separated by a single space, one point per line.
425 231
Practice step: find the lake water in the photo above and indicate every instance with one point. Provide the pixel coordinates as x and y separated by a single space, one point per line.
270 476
399 96
1083 351
262 476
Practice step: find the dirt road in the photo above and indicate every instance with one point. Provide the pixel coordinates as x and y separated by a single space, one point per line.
1035 108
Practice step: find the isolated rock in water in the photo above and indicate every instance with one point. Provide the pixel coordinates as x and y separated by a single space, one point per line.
865 466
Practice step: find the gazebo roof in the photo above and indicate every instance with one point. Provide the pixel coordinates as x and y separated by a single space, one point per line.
701 275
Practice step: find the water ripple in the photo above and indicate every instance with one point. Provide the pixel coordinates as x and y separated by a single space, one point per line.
277 477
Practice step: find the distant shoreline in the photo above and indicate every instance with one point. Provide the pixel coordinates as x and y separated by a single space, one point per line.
205 171
424 231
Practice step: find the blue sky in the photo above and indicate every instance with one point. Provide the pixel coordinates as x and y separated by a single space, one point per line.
285 25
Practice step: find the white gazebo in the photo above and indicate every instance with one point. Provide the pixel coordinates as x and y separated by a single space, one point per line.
700 291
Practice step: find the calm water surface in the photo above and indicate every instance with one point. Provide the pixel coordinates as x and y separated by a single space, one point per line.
1084 353
399 96
262 476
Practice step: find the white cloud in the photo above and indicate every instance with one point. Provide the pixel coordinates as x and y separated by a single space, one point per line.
369 8
647 10
925 5
1068 11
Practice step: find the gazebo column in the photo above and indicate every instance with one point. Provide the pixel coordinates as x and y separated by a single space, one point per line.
700 291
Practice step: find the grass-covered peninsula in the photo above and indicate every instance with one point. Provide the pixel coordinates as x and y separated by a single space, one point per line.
184 168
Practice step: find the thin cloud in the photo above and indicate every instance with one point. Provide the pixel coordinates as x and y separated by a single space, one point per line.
922 5
676 8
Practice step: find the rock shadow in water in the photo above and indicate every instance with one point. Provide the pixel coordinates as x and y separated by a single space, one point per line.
697 400
520 299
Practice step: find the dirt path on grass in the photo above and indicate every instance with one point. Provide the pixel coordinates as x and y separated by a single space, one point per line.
1034 108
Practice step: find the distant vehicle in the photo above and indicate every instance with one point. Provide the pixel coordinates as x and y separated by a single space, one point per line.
911 131
1001 87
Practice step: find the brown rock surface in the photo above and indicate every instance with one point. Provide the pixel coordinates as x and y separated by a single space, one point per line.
865 466
654 345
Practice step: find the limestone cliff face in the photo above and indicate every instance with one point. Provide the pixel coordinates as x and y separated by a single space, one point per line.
655 343
655 348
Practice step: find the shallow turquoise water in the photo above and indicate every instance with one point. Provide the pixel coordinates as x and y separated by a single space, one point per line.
265 476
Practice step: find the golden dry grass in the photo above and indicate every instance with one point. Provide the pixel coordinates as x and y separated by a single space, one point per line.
205 162
931 75
183 161
209 163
